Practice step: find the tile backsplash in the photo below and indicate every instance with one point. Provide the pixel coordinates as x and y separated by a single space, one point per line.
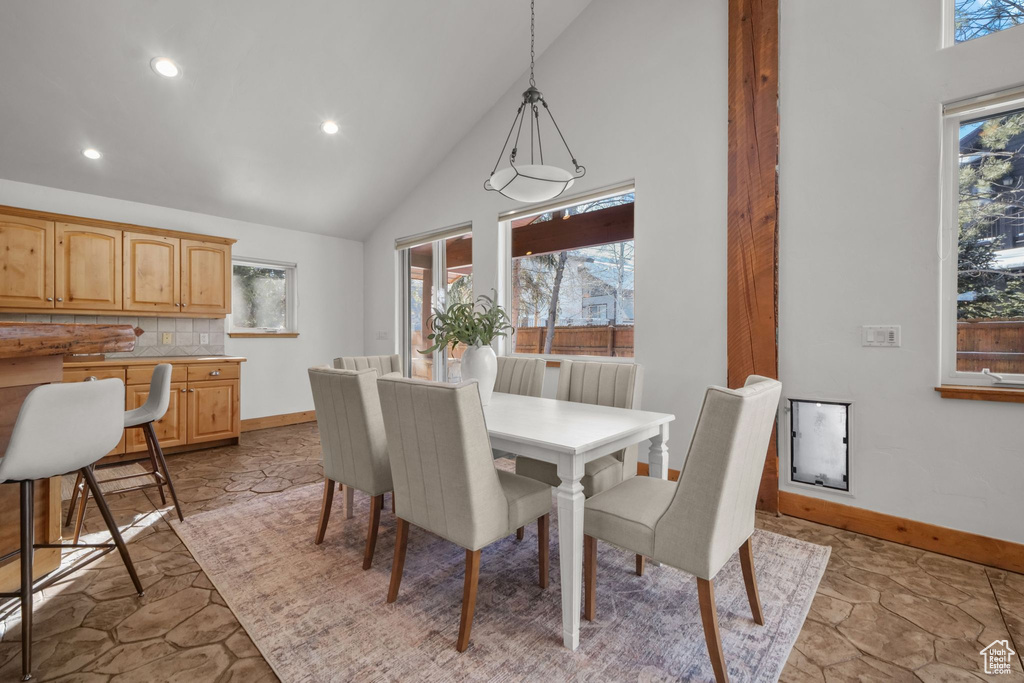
186 333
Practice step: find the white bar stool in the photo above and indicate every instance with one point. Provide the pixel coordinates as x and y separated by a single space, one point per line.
91 417
154 409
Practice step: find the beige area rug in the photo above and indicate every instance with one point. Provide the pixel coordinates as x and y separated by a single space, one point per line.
317 616
67 482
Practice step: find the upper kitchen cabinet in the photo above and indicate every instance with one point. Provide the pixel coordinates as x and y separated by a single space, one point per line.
51 262
26 274
87 268
152 273
205 278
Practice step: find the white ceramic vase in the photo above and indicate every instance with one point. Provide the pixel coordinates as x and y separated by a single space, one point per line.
480 363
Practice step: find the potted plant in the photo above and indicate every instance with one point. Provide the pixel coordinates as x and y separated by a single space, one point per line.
475 326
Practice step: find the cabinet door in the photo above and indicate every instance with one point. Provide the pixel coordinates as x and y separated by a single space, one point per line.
87 268
213 410
152 273
170 429
26 271
91 375
205 277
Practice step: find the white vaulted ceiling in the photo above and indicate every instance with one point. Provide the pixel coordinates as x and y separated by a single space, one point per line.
238 134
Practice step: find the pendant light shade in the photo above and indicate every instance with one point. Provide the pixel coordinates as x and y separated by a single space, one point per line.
532 182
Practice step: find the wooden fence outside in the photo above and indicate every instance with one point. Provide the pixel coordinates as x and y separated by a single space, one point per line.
994 344
605 340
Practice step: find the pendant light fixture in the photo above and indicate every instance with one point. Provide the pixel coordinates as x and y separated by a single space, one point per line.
533 182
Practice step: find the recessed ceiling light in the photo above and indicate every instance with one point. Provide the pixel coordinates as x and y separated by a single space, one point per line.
165 67
329 127
91 153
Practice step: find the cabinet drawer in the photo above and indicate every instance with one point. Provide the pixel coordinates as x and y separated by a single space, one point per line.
142 374
211 371
84 374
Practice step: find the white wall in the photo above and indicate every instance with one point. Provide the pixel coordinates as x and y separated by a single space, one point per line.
330 286
862 85
639 89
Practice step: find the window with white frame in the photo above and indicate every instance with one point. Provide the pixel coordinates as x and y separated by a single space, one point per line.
263 296
570 277
976 18
983 269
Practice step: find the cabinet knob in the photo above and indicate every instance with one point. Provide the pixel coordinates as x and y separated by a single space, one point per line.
183 391
191 390
177 304
91 378
215 373
60 298
49 298
184 305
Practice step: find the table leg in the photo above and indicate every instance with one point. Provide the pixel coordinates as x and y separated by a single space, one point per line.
657 457
570 545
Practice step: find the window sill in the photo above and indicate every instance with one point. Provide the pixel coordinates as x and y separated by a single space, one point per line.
972 393
253 335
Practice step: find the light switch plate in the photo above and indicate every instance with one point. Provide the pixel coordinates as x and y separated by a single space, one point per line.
167 338
382 335
880 335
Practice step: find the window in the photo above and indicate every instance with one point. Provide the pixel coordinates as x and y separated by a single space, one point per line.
435 272
984 283
820 444
977 18
571 275
263 297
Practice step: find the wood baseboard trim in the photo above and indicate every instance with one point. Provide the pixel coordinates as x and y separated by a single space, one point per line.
964 545
254 423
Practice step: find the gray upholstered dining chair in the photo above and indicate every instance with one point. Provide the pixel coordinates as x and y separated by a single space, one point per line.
698 523
523 377
61 428
355 451
446 482
520 376
384 365
618 385
143 417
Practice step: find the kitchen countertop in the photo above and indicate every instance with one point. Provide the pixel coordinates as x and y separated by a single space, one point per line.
150 360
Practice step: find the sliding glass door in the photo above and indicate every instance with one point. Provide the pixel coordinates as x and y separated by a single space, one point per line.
433 273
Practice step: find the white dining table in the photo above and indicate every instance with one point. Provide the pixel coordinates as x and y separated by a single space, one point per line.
570 435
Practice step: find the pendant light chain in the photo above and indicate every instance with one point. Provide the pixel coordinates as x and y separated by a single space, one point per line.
533 83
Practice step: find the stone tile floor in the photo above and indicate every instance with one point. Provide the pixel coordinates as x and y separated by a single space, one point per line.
883 612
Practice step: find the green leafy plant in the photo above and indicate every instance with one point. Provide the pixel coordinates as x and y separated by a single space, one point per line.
469 324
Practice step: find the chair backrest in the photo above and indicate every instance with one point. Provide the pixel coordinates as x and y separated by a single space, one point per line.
355 450
384 365
522 376
619 385
64 427
159 391
441 462
712 512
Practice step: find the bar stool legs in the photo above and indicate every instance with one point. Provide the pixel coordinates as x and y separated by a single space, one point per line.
28 548
161 477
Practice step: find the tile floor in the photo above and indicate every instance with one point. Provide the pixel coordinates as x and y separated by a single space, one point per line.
883 612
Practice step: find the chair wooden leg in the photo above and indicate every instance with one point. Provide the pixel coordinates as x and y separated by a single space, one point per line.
709 616
82 503
468 598
115 533
157 474
159 452
589 578
520 533
543 526
27 552
79 485
750 579
376 503
325 511
640 563
398 564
